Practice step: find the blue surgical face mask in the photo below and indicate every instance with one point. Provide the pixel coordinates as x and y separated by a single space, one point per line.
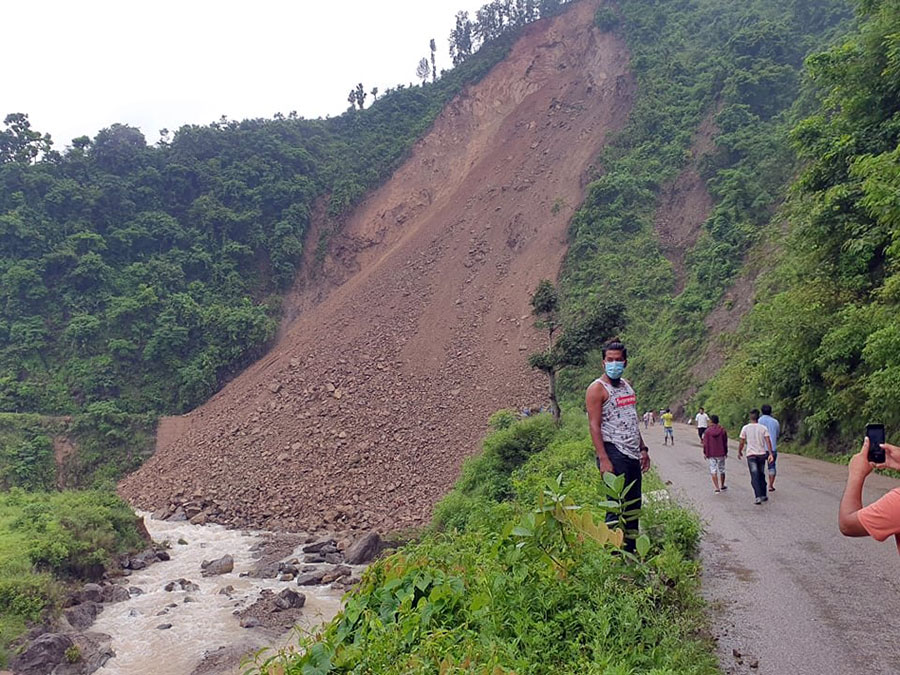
614 369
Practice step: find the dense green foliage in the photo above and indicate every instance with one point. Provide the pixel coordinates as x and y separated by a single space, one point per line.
739 65
96 448
822 343
47 538
492 589
142 275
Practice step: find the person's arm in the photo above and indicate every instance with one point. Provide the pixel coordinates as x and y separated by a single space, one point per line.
725 438
769 446
645 453
741 445
851 503
596 397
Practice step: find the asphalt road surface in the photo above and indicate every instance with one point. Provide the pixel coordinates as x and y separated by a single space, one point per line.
788 592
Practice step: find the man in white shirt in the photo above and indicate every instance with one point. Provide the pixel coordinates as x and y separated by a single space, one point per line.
702 423
755 438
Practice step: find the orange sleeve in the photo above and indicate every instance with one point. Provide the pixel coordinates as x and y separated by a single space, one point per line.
882 518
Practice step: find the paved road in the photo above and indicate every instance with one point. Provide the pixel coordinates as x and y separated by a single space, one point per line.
786 588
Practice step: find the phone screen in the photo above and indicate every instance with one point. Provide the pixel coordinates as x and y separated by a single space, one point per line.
875 433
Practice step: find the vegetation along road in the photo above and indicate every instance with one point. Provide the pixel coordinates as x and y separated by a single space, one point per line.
787 590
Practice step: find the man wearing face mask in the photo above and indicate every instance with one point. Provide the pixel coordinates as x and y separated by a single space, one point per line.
613 420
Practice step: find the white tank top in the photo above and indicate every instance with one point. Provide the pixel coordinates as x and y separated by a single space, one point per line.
620 419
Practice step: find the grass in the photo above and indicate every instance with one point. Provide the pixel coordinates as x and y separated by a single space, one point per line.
48 540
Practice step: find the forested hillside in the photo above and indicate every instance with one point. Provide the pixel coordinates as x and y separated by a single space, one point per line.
141 275
735 70
823 341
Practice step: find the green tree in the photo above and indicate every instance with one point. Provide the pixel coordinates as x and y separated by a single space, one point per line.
580 336
20 143
422 70
461 45
433 47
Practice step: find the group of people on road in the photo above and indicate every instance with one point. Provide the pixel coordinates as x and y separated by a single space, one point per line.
758 440
620 449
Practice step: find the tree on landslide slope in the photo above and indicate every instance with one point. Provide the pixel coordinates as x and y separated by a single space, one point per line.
577 339
422 70
433 47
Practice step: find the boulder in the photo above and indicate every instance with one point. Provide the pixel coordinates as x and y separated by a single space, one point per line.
336 573
249 622
364 549
318 545
269 571
137 564
115 593
83 615
227 590
92 593
43 654
181 585
314 558
289 599
178 515
310 578
95 650
163 555
334 558
134 591
221 565
164 626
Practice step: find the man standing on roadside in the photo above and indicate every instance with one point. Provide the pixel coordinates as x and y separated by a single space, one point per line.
715 449
755 437
668 429
881 518
774 428
702 423
612 416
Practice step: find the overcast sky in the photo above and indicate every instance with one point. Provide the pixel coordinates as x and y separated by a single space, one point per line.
76 67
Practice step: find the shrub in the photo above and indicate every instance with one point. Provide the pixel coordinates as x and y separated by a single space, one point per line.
606 19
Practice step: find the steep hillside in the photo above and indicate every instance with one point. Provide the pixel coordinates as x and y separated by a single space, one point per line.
361 414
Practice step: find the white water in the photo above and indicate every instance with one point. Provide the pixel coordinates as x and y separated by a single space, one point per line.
201 626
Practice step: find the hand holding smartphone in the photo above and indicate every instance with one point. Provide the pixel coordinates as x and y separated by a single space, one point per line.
875 434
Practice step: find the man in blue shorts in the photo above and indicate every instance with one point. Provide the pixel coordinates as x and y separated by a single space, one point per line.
774 428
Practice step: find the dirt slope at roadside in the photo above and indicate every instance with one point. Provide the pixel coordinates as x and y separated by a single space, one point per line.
362 413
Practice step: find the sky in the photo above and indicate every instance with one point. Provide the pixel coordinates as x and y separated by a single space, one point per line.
77 67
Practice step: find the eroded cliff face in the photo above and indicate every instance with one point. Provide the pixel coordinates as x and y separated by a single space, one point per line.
419 324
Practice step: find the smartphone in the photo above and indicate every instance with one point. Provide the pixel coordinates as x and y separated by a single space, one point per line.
875 434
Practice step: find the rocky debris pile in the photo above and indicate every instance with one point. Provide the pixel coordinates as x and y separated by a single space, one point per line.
273 610
361 415
132 563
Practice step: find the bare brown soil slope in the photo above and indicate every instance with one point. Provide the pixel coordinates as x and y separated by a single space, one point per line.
363 412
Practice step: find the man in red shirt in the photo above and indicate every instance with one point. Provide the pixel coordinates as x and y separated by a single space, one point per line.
880 519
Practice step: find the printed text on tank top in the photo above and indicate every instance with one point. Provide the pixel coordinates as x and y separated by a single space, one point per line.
619 424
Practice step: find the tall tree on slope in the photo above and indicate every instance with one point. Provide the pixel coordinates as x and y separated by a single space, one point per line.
578 338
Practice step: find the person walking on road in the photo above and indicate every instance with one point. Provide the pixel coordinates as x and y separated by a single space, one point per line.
702 423
755 438
612 416
881 518
715 449
774 428
668 430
